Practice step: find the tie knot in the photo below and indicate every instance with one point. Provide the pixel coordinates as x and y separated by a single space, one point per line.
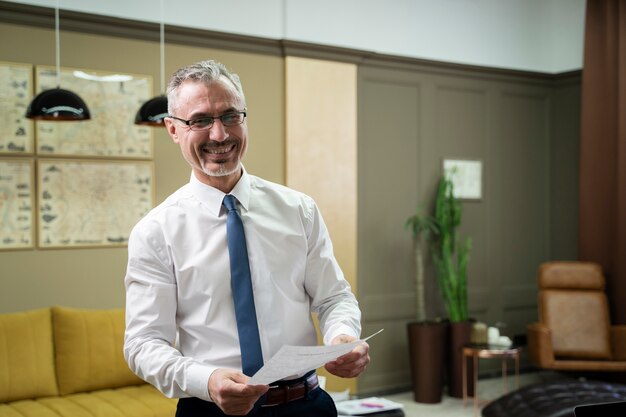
229 202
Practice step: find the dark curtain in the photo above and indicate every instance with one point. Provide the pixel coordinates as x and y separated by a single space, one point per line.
602 223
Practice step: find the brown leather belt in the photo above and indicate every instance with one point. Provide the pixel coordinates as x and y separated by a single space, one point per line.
286 391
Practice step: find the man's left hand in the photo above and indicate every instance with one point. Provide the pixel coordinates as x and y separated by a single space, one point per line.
353 363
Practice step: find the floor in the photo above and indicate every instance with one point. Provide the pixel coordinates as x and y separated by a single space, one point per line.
488 389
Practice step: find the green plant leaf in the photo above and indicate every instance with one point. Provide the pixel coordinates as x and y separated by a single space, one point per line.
451 257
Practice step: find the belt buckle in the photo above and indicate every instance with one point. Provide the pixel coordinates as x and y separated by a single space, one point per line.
275 388
286 389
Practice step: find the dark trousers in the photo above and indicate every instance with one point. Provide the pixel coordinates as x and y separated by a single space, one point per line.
317 403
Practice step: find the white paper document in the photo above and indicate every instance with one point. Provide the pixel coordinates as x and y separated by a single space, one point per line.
295 360
365 406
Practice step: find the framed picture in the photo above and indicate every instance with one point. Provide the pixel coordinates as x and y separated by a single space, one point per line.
17 199
113 100
466 176
91 202
16 92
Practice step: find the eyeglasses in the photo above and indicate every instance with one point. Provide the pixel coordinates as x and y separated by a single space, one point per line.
203 123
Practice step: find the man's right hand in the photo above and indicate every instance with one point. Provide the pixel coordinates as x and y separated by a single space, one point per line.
229 391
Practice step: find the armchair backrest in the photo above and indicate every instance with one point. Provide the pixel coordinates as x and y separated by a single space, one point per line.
572 303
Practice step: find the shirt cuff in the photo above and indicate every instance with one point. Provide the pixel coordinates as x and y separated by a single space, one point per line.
338 330
198 381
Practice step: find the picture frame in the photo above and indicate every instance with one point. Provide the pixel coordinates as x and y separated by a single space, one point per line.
17 200
16 89
466 176
112 99
91 203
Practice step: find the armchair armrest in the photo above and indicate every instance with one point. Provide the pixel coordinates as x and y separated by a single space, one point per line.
540 349
618 341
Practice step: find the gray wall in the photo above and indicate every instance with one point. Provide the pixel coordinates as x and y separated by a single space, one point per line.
524 129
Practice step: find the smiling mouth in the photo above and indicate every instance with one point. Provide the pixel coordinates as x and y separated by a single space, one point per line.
219 150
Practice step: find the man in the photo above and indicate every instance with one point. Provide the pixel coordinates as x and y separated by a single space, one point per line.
182 326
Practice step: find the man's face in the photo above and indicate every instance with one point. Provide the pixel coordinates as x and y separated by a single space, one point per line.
215 153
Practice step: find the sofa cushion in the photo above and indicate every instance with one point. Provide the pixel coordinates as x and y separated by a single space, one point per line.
26 356
88 346
135 401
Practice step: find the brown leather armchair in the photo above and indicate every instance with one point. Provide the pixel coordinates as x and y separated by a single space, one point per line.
574 332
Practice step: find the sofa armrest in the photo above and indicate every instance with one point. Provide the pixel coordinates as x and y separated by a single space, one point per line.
540 349
618 341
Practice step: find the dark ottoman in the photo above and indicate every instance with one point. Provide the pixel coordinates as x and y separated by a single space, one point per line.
554 399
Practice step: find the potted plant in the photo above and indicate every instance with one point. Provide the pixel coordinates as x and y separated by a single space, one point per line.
422 228
426 337
451 257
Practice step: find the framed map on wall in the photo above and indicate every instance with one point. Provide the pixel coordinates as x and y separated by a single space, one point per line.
90 202
17 198
16 92
113 100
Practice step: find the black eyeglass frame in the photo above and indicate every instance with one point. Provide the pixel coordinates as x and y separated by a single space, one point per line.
191 122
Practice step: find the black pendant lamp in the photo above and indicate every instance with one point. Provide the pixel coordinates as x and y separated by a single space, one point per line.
58 104
153 111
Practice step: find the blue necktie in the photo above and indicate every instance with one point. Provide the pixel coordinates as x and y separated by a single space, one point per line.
241 283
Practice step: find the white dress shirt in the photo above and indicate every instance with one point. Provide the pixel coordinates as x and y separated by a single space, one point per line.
180 318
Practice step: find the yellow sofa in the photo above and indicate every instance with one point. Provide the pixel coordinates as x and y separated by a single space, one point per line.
65 362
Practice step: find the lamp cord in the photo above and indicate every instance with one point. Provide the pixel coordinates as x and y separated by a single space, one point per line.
58 44
162 52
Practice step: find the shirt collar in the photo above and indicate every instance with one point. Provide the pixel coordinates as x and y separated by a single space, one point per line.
241 191
212 197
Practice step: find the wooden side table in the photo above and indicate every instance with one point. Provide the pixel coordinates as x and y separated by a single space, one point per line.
489 352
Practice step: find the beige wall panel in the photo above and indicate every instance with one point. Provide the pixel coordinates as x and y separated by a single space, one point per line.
390 120
321 153
388 190
522 184
321 146
94 277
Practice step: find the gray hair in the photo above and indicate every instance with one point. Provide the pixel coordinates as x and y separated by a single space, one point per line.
203 71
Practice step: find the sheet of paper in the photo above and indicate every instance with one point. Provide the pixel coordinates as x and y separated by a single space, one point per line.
364 406
295 360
